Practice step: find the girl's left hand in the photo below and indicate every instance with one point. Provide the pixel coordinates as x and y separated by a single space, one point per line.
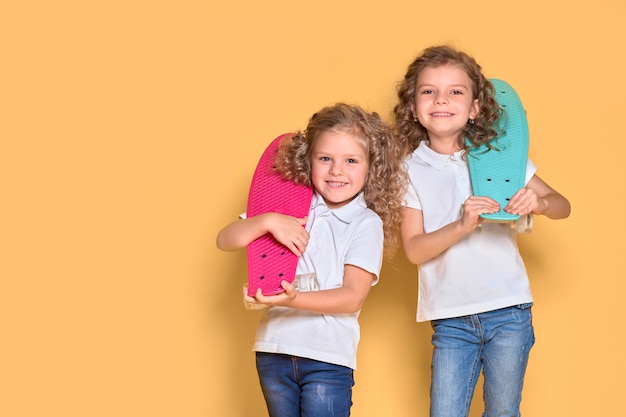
525 201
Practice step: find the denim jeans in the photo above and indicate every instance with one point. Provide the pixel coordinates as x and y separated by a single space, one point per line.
497 341
295 386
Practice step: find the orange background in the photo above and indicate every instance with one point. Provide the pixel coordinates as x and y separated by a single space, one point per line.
129 132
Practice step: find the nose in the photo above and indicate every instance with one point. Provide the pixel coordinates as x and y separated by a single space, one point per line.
441 98
335 169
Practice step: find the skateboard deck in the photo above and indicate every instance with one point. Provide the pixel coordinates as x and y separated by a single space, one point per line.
269 262
500 172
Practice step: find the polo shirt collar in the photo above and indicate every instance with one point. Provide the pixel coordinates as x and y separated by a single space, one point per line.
434 159
346 213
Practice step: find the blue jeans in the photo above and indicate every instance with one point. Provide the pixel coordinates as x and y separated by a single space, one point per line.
497 341
295 386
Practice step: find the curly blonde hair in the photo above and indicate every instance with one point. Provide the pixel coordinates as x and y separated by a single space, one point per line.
485 126
385 183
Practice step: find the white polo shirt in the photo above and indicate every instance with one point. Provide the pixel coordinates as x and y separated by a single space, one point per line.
352 234
484 271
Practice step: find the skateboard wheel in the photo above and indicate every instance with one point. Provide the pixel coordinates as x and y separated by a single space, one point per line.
524 224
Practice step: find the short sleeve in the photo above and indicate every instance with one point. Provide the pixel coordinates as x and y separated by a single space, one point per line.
366 246
411 199
531 169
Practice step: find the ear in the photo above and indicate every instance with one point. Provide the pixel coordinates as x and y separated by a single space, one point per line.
474 109
413 108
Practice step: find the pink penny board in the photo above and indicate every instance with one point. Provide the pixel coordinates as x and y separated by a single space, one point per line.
269 262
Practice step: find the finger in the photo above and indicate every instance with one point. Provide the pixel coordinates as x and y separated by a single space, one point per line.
259 294
301 242
247 298
293 247
245 290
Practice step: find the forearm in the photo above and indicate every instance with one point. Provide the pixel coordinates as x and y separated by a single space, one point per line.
349 298
240 233
343 300
422 247
555 206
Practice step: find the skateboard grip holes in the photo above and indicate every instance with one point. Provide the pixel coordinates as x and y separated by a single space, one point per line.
263 256
262 277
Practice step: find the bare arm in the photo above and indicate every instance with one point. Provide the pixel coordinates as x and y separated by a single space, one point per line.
420 246
539 198
349 298
286 229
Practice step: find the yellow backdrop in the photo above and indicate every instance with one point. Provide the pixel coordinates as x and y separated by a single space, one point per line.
129 132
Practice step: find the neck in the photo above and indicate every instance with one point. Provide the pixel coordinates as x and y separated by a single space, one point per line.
445 147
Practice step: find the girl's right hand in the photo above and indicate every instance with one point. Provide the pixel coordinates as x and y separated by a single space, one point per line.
263 301
289 231
473 207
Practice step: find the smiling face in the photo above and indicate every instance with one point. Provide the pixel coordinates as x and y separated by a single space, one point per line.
339 165
444 102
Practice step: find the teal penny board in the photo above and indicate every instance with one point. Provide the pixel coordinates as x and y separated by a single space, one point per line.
269 262
500 172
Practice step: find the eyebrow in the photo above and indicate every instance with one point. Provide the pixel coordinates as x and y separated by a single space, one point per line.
452 86
351 155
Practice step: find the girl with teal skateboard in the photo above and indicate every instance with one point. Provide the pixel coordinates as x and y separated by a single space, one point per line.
473 285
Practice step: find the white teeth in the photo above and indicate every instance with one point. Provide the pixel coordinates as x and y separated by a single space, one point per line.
442 114
335 184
